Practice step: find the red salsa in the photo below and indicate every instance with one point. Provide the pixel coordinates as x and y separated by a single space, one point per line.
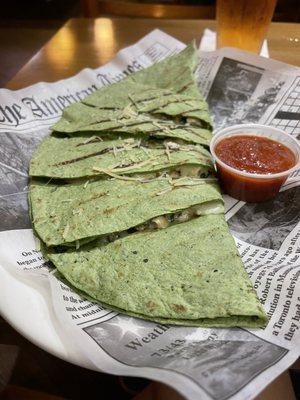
253 154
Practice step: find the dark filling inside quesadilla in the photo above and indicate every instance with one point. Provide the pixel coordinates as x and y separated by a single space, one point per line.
167 220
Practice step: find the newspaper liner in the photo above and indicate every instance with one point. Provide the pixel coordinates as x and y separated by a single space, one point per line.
214 364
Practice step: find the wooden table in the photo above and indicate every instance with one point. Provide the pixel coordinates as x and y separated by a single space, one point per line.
90 43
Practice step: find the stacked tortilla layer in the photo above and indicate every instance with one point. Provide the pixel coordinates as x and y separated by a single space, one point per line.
124 198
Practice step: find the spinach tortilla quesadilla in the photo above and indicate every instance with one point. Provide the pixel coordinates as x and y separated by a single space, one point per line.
177 275
161 101
76 120
81 157
64 214
124 199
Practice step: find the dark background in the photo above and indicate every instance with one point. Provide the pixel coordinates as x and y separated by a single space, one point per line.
24 17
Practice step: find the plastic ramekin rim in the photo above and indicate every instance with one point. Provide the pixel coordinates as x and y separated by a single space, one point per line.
218 133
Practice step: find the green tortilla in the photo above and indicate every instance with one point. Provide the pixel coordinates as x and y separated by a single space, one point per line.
79 157
80 117
64 214
175 275
147 103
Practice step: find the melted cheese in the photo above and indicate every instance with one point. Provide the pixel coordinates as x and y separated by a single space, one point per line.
161 222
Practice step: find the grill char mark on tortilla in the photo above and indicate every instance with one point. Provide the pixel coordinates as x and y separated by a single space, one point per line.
97 153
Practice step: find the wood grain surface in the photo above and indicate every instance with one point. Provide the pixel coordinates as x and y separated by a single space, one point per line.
91 43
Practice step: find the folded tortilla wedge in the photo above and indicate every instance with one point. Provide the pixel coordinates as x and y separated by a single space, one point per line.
68 213
147 102
81 157
175 275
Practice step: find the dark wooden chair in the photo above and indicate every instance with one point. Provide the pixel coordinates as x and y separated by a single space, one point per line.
135 9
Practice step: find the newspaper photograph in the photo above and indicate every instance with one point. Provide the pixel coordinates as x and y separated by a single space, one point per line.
206 363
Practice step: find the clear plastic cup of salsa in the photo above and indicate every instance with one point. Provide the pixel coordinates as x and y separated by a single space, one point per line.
248 186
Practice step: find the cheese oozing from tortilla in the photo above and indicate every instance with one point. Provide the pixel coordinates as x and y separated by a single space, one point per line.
165 221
